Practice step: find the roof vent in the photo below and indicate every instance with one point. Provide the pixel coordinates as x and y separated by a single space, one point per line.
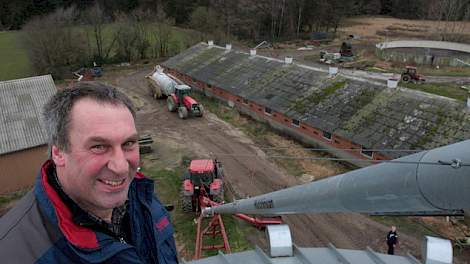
436 250
332 71
288 60
392 83
252 52
228 47
211 43
279 240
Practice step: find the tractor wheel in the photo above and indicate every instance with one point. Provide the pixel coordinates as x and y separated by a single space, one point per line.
201 111
187 203
406 78
170 104
182 112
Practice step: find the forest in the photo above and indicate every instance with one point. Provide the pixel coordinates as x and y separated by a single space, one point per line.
61 35
278 18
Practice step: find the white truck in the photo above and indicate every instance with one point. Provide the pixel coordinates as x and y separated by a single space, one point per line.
160 85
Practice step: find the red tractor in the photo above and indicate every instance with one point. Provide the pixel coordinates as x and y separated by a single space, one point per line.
204 178
411 75
181 101
203 186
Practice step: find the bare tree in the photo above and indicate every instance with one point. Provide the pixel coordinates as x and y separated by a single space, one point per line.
300 5
97 19
451 16
141 23
162 38
125 36
55 45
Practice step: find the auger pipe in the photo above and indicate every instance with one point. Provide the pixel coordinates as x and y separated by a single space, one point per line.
428 182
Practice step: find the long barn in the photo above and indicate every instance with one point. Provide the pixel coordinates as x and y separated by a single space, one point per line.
353 118
23 141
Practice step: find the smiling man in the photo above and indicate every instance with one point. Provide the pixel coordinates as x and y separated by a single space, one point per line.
89 204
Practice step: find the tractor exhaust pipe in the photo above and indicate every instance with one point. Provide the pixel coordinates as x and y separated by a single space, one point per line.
434 182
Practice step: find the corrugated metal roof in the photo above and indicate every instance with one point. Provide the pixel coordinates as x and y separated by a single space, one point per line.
329 255
366 113
21 103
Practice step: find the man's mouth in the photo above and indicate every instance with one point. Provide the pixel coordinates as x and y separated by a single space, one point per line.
113 183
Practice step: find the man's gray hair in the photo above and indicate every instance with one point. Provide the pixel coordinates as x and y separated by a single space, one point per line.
57 111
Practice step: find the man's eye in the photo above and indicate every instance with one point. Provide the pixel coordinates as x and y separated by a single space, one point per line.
98 148
129 144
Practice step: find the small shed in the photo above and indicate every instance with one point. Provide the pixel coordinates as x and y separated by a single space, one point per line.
23 139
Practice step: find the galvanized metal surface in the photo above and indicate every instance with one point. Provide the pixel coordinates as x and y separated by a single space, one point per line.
330 255
429 181
437 250
279 240
21 103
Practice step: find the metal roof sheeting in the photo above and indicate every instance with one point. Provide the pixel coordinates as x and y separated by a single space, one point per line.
329 255
364 112
21 103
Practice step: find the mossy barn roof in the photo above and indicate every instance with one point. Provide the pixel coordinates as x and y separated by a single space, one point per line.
361 111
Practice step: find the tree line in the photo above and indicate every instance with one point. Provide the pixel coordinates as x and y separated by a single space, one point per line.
291 15
61 35
67 39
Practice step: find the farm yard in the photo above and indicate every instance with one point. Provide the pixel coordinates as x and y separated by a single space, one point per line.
352 116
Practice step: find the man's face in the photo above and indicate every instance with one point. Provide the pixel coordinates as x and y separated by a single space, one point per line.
103 156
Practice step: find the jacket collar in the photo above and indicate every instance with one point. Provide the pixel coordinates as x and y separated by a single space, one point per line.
58 212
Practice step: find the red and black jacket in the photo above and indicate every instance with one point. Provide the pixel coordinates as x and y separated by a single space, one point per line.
40 229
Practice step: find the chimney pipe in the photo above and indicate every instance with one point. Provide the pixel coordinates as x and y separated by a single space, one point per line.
228 47
252 52
211 43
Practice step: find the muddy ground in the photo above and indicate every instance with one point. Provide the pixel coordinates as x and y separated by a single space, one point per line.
250 173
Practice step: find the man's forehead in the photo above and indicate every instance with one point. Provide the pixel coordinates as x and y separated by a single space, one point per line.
89 102
88 114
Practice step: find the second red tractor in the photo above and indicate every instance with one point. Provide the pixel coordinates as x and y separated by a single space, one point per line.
203 178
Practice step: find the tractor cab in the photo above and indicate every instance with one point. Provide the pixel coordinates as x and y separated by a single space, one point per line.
411 75
410 70
204 178
181 91
183 103
202 172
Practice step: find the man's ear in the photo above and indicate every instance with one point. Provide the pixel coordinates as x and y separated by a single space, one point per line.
57 156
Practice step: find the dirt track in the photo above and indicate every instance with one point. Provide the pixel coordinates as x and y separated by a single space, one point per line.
250 176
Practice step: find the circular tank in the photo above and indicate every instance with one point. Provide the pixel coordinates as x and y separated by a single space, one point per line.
425 52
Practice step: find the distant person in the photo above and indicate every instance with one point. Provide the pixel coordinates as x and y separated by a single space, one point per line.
392 240
89 203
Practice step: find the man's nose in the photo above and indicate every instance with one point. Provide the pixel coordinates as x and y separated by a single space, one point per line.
118 162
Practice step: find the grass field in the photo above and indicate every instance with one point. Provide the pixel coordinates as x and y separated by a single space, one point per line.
15 64
14 60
